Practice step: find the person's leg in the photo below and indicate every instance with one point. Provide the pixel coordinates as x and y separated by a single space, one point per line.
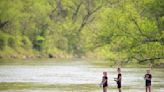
146 88
105 89
149 88
119 89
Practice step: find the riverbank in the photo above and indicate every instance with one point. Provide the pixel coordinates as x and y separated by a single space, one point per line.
98 63
35 55
44 86
14 86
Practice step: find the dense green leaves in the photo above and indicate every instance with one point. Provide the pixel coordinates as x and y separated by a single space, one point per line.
118 30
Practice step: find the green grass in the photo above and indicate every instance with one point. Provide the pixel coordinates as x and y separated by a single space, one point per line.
33 86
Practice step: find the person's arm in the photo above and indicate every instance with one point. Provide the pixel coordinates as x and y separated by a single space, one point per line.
149 78
119 78
150 67
145 77
103 81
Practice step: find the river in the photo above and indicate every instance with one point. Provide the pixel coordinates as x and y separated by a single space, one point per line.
73 76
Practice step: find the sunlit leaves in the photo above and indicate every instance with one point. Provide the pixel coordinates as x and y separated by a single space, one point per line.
118 30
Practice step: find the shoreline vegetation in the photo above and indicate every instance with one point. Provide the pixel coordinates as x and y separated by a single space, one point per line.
95 62
117 31
34 56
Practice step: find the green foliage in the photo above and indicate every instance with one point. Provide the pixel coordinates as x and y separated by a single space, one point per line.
118 30
26 43
3 40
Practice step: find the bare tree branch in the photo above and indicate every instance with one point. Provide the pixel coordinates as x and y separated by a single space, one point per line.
74 16
87 16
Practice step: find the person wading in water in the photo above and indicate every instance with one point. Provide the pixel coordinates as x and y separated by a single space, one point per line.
118 79
148 78
104 82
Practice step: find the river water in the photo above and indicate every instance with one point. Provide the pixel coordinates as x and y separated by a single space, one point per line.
76 73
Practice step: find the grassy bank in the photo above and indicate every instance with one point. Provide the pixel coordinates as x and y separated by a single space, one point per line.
97 63
68 87
44 86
